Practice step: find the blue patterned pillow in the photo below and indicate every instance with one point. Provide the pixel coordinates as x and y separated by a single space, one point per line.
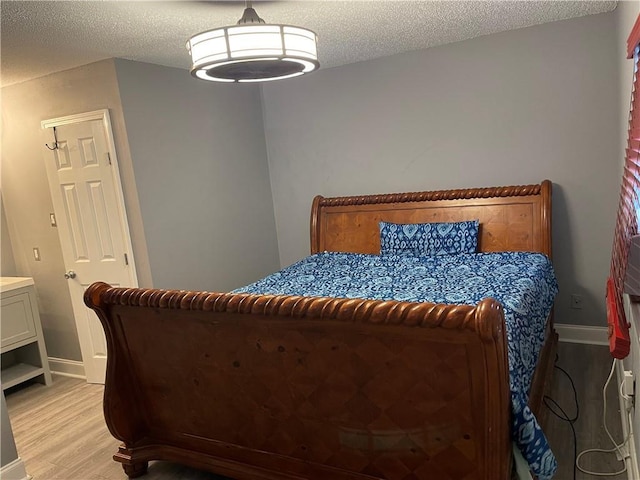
422 239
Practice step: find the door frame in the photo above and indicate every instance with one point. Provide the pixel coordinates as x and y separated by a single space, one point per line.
104 117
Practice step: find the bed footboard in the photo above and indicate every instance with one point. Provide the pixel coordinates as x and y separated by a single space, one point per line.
275 387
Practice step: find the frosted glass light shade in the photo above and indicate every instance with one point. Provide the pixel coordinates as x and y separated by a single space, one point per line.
253 53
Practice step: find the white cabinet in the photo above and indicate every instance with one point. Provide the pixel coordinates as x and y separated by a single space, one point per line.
24 355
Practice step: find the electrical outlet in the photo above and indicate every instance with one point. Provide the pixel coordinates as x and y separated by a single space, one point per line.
628 389
576 301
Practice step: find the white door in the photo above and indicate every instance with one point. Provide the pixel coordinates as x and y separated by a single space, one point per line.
92 225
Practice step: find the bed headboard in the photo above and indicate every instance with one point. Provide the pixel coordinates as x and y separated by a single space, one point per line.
514 218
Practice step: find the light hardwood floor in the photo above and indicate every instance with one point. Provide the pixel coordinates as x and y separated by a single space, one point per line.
61 435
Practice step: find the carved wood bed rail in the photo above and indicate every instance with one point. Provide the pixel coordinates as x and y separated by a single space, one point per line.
286 387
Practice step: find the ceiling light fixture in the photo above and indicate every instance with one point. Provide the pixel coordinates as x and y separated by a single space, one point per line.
253 51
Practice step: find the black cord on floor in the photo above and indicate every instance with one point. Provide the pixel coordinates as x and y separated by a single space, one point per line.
562 415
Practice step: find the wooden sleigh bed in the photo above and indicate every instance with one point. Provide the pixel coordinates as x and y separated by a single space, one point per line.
252 386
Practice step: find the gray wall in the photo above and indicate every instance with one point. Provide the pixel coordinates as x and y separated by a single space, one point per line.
208 212
25 189
515 107
510 108
7 263
202 177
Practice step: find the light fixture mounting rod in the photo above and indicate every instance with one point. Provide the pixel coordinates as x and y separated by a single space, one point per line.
249 16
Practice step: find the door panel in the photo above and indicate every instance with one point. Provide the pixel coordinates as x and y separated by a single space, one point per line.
74 221
88 202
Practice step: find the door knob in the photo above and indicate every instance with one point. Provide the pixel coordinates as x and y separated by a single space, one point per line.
70 274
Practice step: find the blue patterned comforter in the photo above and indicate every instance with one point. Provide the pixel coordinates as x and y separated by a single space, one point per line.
524 283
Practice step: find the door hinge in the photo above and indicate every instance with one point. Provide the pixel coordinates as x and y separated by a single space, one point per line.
126 259
109 157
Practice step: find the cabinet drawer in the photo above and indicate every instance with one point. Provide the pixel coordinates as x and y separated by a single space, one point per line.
16 317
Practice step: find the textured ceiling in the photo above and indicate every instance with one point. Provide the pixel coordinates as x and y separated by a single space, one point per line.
41 37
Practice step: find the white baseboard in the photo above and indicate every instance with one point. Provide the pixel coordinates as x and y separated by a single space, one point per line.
582 334
67 368
14 471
